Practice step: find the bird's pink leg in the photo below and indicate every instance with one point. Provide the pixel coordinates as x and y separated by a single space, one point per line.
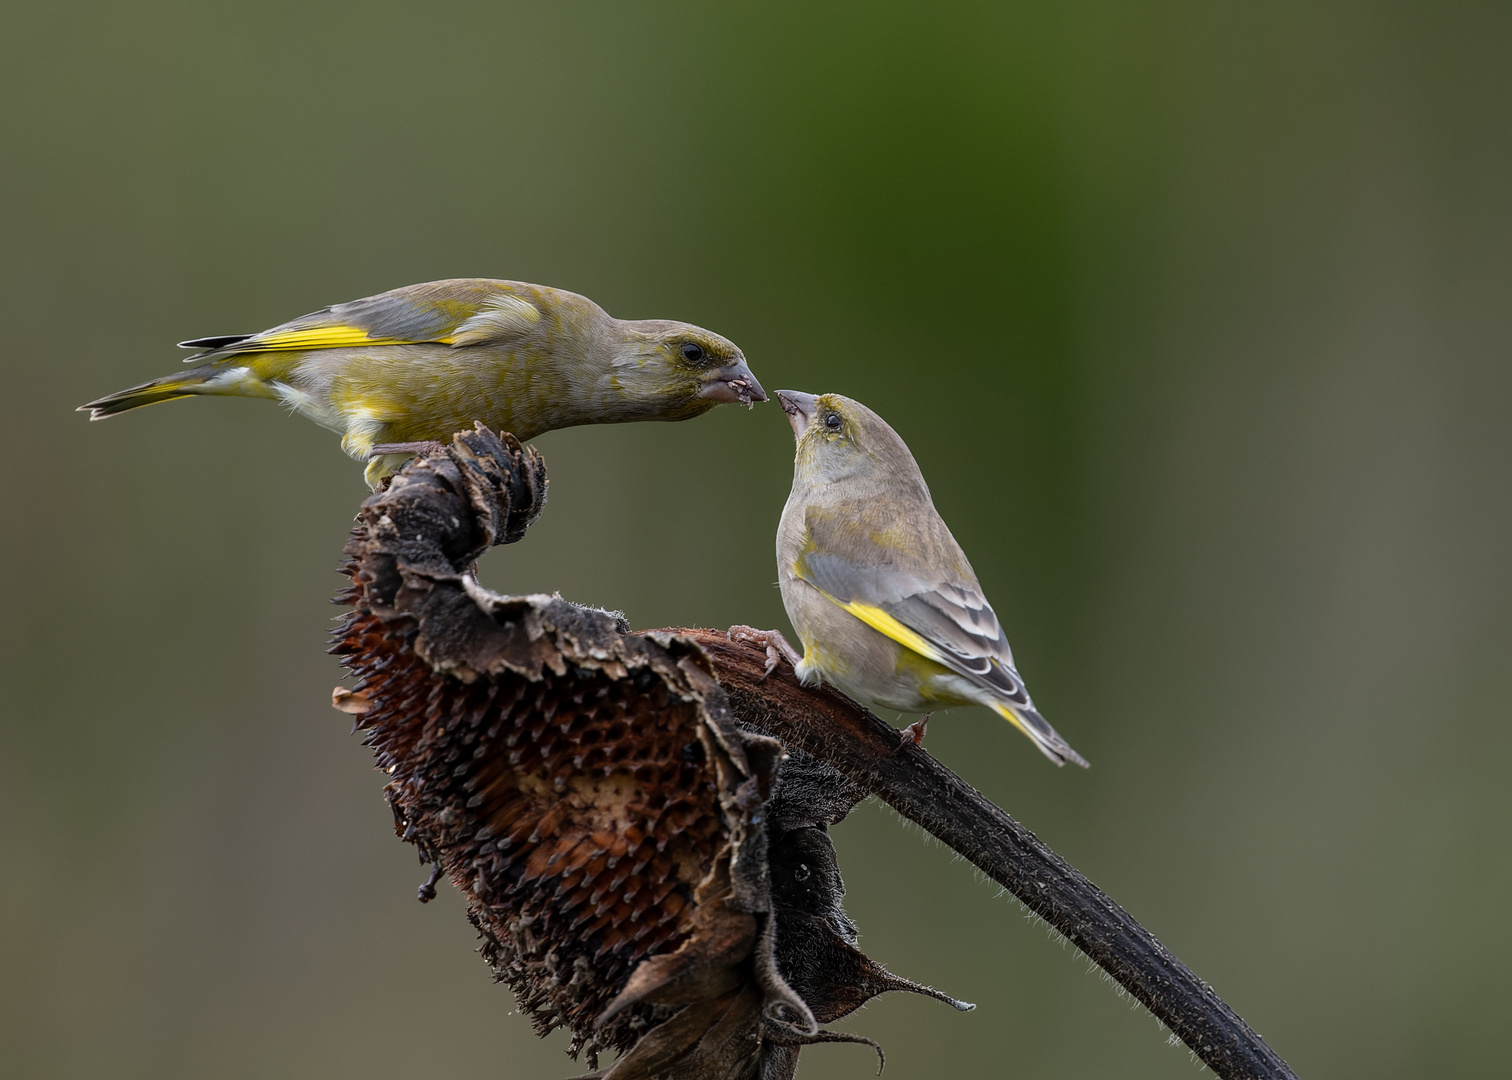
425 448
914 732
777 647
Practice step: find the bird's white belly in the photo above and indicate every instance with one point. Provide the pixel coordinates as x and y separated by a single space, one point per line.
310 407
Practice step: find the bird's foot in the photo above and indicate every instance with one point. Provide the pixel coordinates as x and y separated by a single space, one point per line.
777 647
424 447
914 732
385 459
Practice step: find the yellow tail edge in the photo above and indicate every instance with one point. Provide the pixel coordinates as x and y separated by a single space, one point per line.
207 379
134 398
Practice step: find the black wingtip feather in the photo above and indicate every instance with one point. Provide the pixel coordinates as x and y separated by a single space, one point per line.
214 342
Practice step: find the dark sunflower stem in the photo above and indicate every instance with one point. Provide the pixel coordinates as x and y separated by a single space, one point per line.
871 754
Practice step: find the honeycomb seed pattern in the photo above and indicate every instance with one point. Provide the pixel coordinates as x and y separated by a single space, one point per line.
578 814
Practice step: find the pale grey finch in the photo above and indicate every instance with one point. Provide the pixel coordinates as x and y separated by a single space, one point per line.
881 595
422 362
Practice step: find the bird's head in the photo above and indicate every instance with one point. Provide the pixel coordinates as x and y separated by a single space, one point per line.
841 439
681 370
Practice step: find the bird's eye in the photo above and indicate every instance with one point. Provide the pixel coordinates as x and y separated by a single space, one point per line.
833 421
692 353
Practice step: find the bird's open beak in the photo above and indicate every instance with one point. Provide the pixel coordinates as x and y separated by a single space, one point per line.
799 408
733 384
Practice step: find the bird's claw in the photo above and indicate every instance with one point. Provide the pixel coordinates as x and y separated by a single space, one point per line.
914 732
777 647
425 447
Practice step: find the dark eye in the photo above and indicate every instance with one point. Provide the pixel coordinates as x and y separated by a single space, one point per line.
692 353
833 421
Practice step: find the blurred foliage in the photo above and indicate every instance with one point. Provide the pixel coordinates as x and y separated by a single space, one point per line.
1195 316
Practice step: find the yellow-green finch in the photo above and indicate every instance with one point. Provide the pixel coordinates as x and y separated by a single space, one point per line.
419 363
881 595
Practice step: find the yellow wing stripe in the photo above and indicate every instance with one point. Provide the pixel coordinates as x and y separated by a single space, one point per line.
876 618
324 337
884 623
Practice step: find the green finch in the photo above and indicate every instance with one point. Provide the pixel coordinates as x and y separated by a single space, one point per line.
880 593
419 363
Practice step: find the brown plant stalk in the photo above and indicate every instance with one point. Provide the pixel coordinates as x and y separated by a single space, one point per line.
868 751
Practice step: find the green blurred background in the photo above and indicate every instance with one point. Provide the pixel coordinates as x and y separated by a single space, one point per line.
1195 314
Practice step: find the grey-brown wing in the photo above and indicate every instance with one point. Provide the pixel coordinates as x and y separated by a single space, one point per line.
458 312
954 619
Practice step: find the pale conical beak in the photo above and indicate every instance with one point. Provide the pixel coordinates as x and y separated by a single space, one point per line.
799 408
733 384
